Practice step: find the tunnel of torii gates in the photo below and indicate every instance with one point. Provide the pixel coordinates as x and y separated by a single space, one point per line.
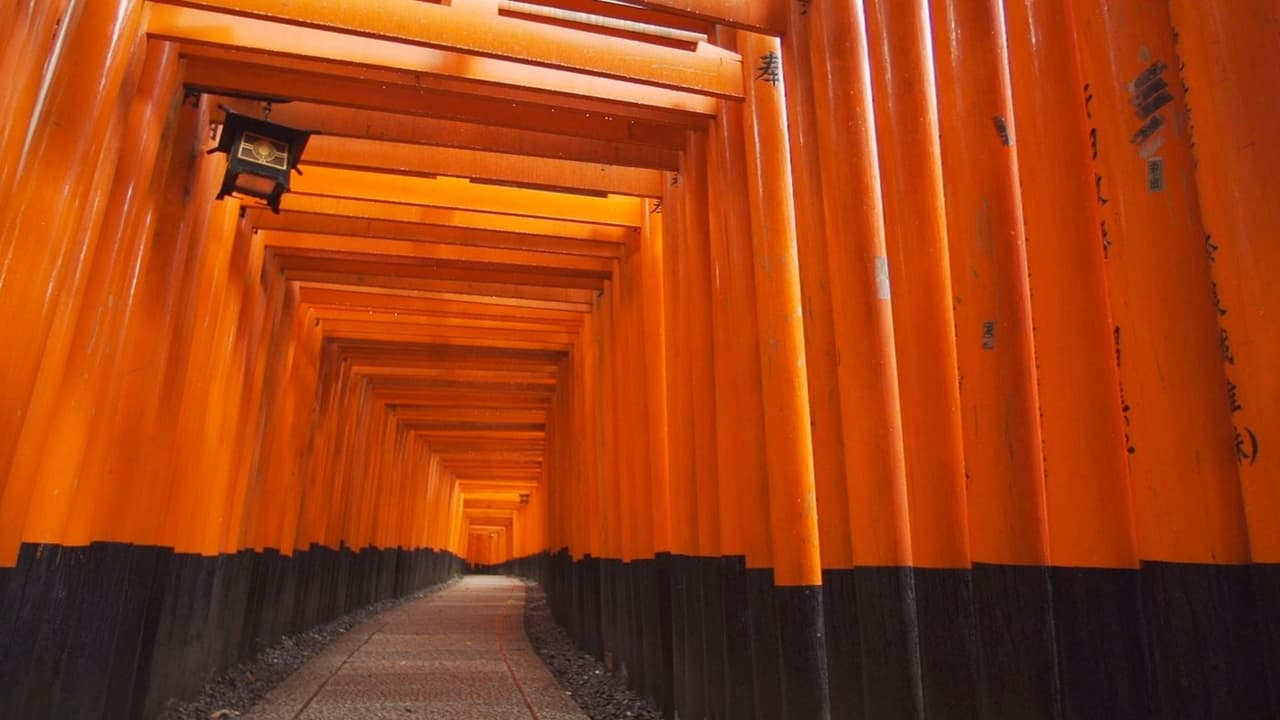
829 358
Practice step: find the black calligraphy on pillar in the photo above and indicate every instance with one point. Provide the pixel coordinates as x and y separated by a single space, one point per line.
1246 446
1124 403
1188 121
1149 93
770 69
1225 339
1246 441
1233 397
1155 174
1217 301
1093 147
1002 129
1147 129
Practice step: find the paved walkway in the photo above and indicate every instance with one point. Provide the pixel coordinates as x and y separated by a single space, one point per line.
458 654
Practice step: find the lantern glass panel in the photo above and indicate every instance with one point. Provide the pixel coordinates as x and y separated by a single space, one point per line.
255 185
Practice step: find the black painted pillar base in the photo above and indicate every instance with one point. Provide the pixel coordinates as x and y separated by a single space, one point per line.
680 663
1100 634
1013 618
122 631
844 646
766 652
694 639
948 656
664 582
715 661
739 701
606 589
1206 648
1266 581
890 643
803 653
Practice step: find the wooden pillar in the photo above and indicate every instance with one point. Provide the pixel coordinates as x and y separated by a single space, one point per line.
93 508
924 340
1227 55
705 588
652 269
35 36
628 481
1185 471
788 441
651 329
752 685
609 517
822 357
875 473
66 162
1096 604
680 435
1004 472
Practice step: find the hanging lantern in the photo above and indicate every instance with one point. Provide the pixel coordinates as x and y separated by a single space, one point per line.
260 156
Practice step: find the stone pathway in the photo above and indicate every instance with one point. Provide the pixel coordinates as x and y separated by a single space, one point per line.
459 654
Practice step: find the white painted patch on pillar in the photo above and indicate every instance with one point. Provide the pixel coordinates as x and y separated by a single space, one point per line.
882 277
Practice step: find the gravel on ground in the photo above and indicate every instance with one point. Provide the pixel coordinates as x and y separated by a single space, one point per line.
240 688
600 693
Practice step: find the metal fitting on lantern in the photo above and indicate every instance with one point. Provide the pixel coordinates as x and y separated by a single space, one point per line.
260 156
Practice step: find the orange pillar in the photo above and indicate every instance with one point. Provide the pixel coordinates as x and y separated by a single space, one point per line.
150 345
1096 602
823 358
609 517
998 397
821 351
924 339
705 603
35 36
745 535
694 254
681 440
93 508
1189 512
629 480
134 216
589 500
788 440
652 269
678 374
1182 465
1227 55
67 161
875 466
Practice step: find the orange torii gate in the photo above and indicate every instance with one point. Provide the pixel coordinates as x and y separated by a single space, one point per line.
835 358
